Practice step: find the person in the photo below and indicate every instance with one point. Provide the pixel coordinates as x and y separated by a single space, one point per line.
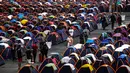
70 41
29 55
119 20
104 23
19 55
13 51
81 37
84 36
43 49
34 47
71 31
113 19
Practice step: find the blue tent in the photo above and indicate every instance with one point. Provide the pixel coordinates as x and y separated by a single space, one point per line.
70 50
104 42
63 34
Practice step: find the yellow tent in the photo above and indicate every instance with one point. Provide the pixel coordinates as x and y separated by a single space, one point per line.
24 21
88 66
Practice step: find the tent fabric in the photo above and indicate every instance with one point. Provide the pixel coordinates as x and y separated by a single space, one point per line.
45 62
56 55
91 57
80 62
123 59
49 68
87 68
74 54
5 50
105 69
108 56
110 46
2 61
70 50
67 68
24 21
102 51
88 65
123 69
27 69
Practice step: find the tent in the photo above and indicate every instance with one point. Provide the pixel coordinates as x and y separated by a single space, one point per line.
70 50
88 50
105 69
119 51
111 47
102 51
87 25
121 60
93 23
5 50
23 31
63 34
91 56
67 68
4 39
117 36
68 59
80 62
103 36
45 62
49 68
55 38
119 43
105 42
28 69
76 31
108 57
89 42
2 61
56 55
123 69
86 68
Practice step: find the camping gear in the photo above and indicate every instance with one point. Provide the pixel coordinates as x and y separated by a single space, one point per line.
105 69
123 69
49 68
86 68
67 68
27 69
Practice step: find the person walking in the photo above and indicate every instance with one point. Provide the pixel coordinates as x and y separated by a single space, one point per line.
34 47
13 51
119 20
103 21
19 55
84 36
29 55
70 41
43 49
113 19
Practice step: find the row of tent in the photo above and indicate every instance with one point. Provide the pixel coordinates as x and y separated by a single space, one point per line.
120 5
21 25
27 24
109 53
24 27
